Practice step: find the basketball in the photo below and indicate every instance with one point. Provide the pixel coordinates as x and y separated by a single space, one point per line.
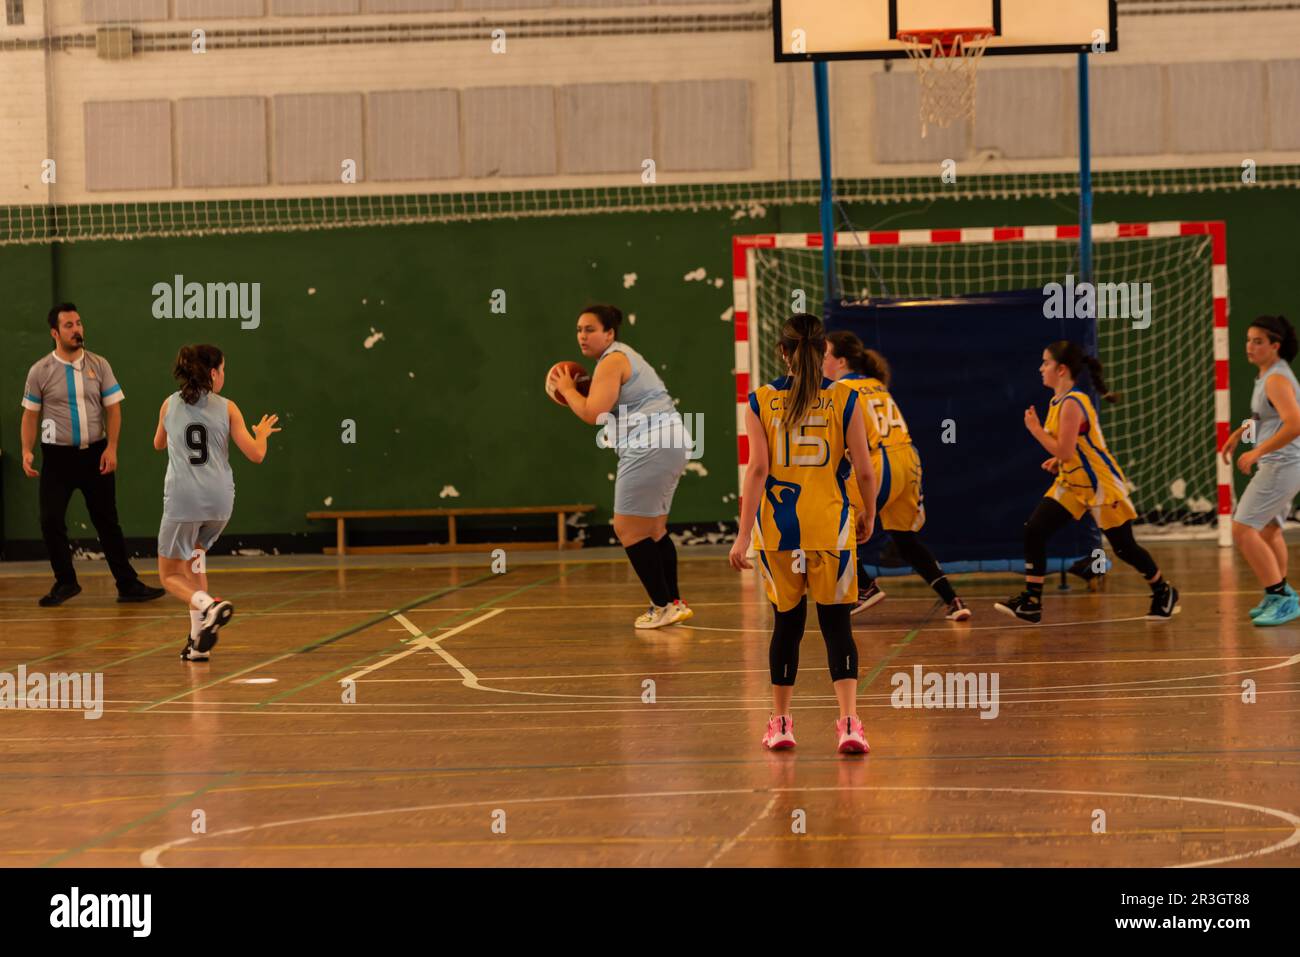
581 377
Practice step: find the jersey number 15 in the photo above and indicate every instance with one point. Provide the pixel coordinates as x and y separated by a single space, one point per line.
809 450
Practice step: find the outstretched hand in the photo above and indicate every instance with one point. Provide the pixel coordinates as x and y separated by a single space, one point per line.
266 427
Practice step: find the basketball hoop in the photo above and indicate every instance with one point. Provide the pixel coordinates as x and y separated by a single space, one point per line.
946 62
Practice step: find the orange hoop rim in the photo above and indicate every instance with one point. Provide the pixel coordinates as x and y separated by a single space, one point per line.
946 37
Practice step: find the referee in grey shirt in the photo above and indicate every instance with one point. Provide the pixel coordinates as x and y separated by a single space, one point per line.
71 400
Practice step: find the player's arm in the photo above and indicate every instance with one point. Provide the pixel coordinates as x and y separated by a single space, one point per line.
1230 443
252 445
1282 395
863 470
755 478
160 433
30 421
1061 446
600 398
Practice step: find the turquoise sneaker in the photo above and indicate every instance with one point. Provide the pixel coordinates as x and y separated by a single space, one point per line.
1279 610
1259 609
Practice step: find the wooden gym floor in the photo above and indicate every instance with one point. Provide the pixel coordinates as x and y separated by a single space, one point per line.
515 702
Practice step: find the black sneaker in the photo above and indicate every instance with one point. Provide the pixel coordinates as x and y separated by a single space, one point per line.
1024 606
217 615
868 597
139 591
59 594
191 653
957 611
1164 604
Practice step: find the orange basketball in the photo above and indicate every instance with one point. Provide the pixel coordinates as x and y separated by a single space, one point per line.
581 378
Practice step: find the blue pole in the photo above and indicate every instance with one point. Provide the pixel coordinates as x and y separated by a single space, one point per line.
1085 174
822 88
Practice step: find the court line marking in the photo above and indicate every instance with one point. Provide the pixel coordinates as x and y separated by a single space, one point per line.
728 845
481 710
755 671
1140 694
131 825
367 658
305 649
422 640
152 856
90 644
179 623
949 627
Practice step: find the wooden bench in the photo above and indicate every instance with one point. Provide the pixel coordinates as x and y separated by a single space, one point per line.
561 513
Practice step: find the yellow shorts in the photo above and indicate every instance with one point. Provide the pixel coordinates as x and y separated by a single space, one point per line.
831 578
899 502
1110 514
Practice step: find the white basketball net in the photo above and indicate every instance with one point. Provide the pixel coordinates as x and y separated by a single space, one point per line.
947 74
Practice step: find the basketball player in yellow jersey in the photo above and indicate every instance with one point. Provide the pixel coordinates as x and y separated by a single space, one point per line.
1088 478
897 466
796 508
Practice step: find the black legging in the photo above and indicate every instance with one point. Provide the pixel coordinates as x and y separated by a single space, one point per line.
837 632
1050 517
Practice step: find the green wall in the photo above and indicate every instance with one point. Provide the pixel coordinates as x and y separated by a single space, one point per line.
474 415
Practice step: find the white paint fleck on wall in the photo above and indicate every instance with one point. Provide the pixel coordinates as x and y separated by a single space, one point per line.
311 290
696 275
728 313
629 280
449 491
329 500
373 338
697 467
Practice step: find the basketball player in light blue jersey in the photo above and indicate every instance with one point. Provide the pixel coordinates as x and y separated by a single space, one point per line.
1266 504
195 426
643 427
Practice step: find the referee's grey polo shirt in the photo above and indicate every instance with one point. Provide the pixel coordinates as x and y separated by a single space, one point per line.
74 395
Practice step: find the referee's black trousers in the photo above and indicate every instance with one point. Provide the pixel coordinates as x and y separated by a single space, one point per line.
65 470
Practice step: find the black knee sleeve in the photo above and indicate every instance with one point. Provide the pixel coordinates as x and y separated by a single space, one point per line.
1047 519
783 652
1129 551
841 649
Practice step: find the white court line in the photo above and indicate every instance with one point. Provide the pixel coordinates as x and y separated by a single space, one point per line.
739 837
952 627
422 640
949 664
151 857
343 710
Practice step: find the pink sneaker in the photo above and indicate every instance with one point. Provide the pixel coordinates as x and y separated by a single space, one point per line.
780 733
853 738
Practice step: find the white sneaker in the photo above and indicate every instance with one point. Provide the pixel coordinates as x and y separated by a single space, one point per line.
656 617
679 612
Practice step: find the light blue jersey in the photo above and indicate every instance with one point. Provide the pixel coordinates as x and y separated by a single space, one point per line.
1269 419
640 399
200 485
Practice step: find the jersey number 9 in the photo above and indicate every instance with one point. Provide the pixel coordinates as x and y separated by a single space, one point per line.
196 439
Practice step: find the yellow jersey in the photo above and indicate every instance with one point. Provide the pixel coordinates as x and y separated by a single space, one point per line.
1091 474
805 504
885 426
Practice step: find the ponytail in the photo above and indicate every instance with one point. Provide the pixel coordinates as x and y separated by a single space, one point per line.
1072 356
803 347
868 362
1281 331
193 370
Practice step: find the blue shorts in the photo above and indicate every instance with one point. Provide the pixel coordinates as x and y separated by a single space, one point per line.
180 539
646 481
1269 496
